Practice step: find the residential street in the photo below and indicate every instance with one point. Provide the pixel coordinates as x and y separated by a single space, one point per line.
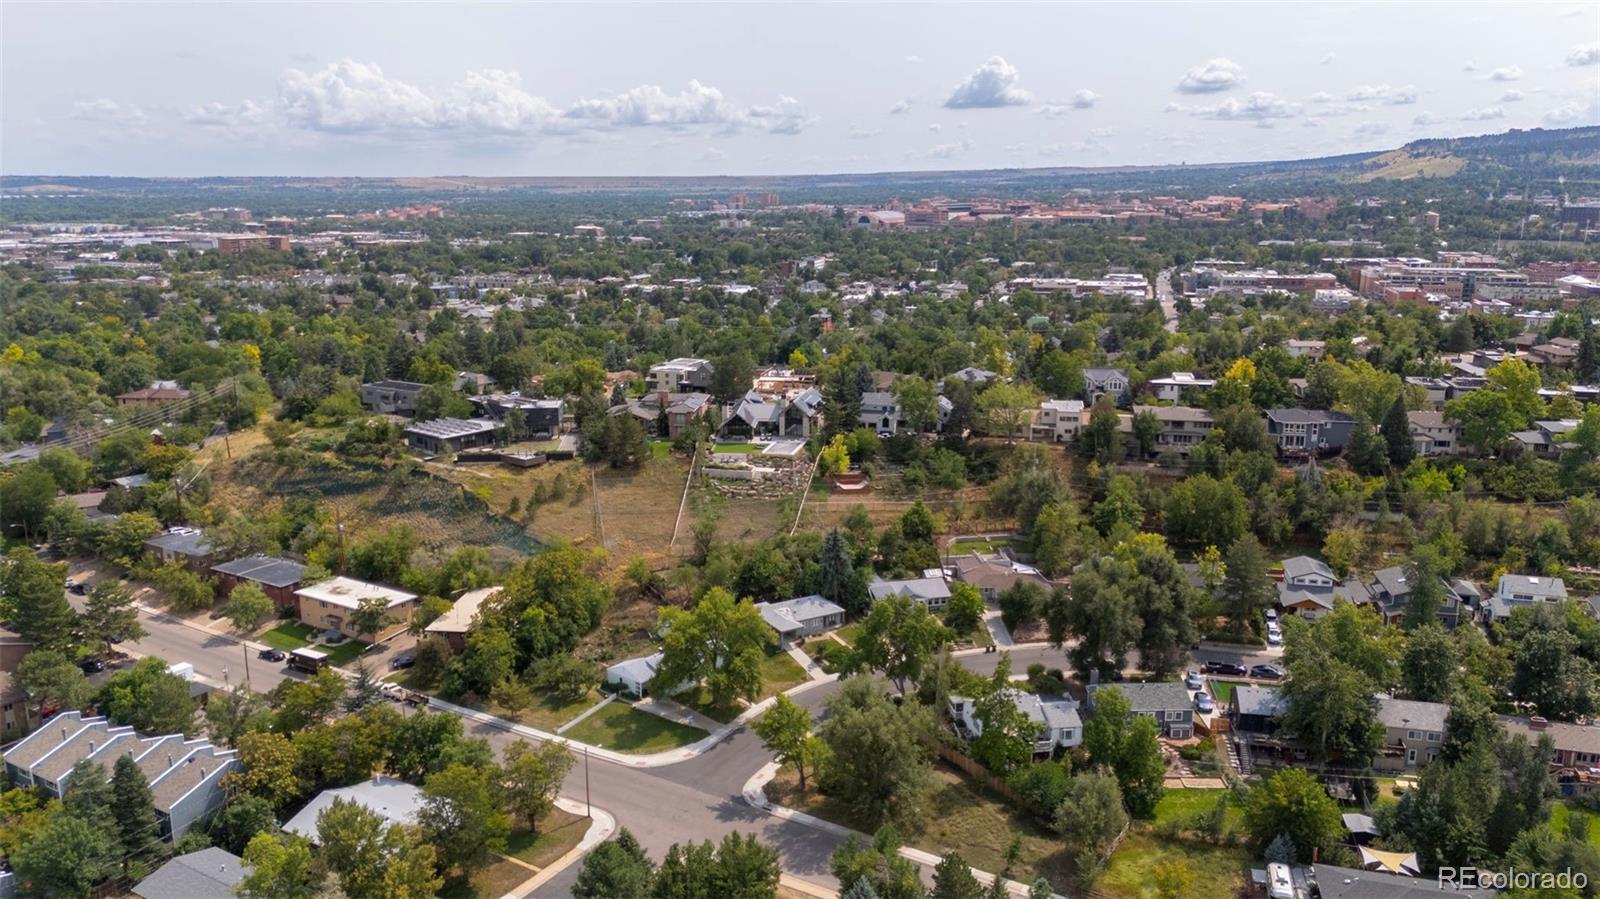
1169 306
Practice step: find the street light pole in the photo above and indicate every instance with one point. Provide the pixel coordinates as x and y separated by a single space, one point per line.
588 810
245 648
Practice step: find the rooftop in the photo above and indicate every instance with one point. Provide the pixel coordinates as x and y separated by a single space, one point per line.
347 592
396 801
267 570
460 617
211 873
446 428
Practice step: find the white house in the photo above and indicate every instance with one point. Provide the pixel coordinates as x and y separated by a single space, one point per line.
633 675
1516 590
931 590
1060 727
1173 387
1057 421
1309 588
395 801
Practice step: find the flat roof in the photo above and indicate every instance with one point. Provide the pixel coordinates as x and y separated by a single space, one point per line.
396 801
347 592
273 572
453 427
459 619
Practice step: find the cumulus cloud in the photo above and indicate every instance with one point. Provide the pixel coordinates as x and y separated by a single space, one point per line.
1383 93
354 97
1573 113
1506 73
1085 98
1587 55
1321 97
1469 66
1511 96
950 150
1329 57
108 111
903 107
1215 75
1483 114
1258 107
1426 118
1371 129
994 84
246 114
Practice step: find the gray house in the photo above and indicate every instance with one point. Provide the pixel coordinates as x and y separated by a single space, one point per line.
211 873
932 592
453 434
1391 593
1304 432
394 397
1168 703
1517 590
1413 733
801 616
1112 382
540 418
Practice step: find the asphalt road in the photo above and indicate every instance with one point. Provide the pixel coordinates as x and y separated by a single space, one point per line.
1169 306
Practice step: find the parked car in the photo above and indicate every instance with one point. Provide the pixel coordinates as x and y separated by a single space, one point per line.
1219 667
1271 614
403 661
271 655
91 665
1266 672
1203 703
393 691
77 588
1194 681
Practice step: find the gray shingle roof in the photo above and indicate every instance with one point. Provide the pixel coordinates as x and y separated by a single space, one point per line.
211 873
1409 714
923 588
264 570
1157 697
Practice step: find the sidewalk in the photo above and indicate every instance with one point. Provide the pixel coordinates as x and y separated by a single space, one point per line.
997 629
679 713
755 794
812 669
600 828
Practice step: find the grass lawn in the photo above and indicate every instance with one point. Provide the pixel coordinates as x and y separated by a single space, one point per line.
558 832
289 635
780 672
660 449
849 633
550 712
491 881
1177 805
959 815
699 699
962 547
344 653
1217 871
1562 814
621 728
1222 690
735 448
978 636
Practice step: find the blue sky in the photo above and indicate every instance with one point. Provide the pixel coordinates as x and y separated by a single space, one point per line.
666 89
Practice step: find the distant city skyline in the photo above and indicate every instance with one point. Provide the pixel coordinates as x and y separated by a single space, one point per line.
696 89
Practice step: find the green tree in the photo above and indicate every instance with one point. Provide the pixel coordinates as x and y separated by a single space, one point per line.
67 857
1091 815
50 679
1098 613
1202 511
134 810
1058 537
267 768
1485 419
371 615
1428 668
1291 803
897 638
1007 735
785 730
1005 408
1247 588
919 402
248 606
280 868
952 879
879 865
863 724
1146 432
1126 745
1100 440
462 816
615 869
720 642
1329 707
33 600
150 698
531 777
835 568
1396 431
109 616
964 611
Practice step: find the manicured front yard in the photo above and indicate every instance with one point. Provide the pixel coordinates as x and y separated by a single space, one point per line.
289 635
735 448
780 672
550 712
344 653
1181 805
621 728
558 832
1222 690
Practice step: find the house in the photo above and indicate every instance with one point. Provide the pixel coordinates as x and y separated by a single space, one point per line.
1413 733
755 415
455 624
181 544
185 776
395 801
1516 590
1333 882
471 382
1112 382
1305 349
929 590
1057 421
17 714
681 375
1256 710
801 617
673 411
1179 386
1546 438
995 574
392 397
525 416
1309 588
1060 726
1301 432
975 376
1577 750
211 873
277 578
1391 593
1168 703
160 393
452 435
1433 434
327 605
1182 427
634 676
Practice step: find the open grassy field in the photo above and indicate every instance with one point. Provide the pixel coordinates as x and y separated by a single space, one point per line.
639 508
961 816
620 728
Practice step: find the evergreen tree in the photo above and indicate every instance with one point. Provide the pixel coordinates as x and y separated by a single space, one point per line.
1366 451
615 869
134 810
952 879
835 568
88 794
364 690
1396 431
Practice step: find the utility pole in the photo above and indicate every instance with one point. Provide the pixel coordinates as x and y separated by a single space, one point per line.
338 527
245 647
588 809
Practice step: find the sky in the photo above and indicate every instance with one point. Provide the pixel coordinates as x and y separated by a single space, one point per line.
385 89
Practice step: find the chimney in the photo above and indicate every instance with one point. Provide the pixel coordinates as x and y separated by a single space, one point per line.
1538 722
661 398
